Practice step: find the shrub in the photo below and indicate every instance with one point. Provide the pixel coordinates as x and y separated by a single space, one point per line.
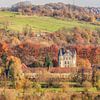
87 85
37 87
65 87
53 84
98 85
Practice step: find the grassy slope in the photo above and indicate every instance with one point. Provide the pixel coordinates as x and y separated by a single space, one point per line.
17 22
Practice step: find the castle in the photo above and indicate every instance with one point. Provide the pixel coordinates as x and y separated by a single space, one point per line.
67 58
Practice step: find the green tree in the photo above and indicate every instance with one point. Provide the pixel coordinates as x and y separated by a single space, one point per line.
4 59
10 69
48 63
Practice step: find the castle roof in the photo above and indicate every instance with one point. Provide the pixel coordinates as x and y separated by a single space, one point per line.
62 51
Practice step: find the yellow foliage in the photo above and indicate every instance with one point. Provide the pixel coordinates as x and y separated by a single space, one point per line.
1 69
83 63
18 73
15 41
98 84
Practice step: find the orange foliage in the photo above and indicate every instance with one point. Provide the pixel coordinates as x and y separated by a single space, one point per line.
83 62
5 47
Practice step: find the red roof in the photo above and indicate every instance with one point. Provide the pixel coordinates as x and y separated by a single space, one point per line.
53 69
63 70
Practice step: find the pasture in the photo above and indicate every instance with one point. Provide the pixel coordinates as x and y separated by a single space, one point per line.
17 22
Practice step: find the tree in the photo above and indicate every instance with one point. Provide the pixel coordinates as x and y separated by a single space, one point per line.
83 62
98 85
18 73
82 78
98 79
48 63
82 75
93 76
92 19
6 64
87 85
15 41
4 59
55 63
10 69
27 30
7 68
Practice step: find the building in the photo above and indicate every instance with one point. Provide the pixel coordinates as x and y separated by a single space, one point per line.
67 58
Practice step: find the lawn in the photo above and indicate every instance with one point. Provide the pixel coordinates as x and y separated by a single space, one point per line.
73 89
38 23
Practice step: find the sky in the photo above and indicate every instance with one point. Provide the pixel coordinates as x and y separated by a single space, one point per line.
86 3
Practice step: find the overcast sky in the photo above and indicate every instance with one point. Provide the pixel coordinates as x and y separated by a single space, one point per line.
94 3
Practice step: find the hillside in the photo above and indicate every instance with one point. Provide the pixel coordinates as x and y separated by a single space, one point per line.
17 22
47 30
58 10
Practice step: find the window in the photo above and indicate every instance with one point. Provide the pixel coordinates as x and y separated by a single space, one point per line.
68 63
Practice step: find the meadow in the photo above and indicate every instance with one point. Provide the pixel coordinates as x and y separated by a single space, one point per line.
17 22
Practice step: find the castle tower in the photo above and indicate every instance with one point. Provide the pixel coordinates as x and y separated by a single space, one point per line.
67 58
61 57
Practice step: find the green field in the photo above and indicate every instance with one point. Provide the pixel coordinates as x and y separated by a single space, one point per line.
18 22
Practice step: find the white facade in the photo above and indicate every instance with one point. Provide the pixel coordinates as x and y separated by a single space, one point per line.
67 58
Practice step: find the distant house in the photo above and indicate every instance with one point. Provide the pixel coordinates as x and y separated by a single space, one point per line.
67 58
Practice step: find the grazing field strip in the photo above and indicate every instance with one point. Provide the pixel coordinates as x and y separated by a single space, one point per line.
17 22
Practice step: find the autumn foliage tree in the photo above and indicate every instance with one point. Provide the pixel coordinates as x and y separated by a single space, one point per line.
81 62
18 73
